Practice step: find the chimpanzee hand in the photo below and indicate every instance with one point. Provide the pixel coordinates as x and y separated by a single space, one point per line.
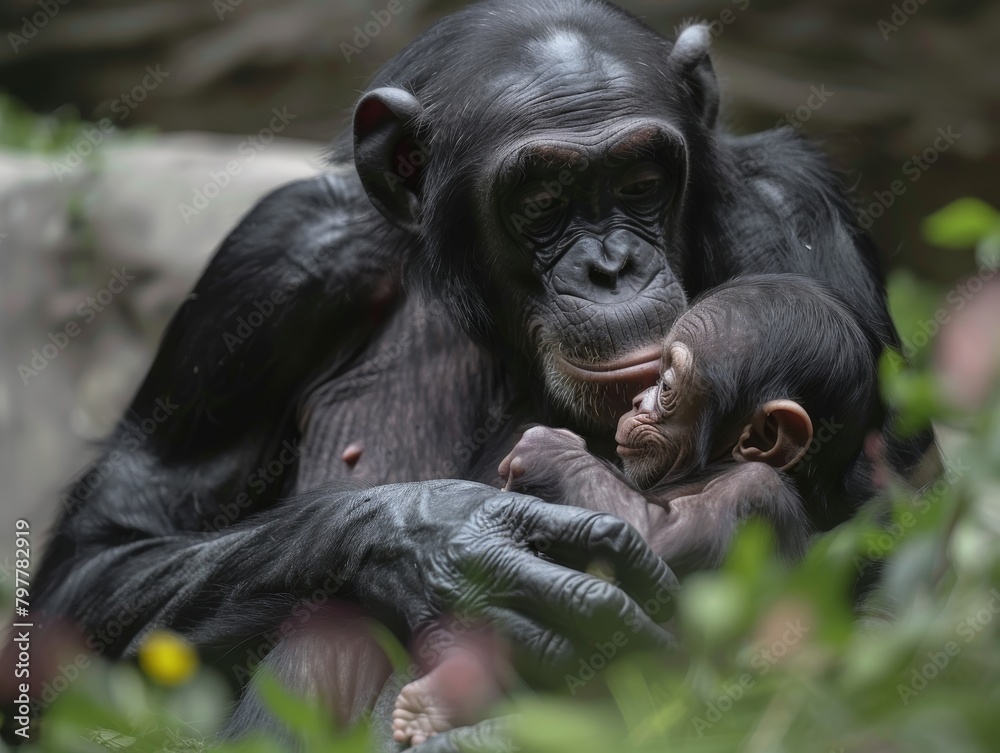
539 457
554 464
446 547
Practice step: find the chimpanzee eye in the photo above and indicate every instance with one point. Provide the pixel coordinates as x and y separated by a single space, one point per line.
645 182
538 213
539 201
640 189
667 395
667 380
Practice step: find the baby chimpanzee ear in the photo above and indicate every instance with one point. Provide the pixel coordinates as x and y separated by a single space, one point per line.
779 434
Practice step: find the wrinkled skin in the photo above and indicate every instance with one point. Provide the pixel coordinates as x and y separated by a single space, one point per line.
658 437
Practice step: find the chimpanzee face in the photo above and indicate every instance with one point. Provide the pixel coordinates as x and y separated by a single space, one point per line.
550 204
659 436
587 232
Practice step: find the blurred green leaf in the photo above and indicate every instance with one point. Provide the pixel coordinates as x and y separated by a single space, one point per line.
914 394
304 717
962 223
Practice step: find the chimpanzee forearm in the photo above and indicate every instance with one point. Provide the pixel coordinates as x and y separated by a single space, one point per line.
554 465
691 527
402 551
699 529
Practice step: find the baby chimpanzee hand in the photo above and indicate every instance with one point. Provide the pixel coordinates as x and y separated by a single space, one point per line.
538 457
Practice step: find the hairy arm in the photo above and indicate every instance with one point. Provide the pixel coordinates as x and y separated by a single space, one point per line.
699 527
690 526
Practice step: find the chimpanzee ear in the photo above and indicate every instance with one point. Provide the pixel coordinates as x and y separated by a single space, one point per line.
779 434
388 155
691 56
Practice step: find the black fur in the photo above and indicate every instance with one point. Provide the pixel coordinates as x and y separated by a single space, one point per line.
798 340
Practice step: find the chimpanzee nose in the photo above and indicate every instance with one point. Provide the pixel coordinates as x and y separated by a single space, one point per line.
605 269
645 401
609 259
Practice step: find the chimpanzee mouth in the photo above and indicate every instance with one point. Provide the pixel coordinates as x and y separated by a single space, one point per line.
639 367
605 390
628 452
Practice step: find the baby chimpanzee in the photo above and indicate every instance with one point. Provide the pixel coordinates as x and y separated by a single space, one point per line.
767 390
768 387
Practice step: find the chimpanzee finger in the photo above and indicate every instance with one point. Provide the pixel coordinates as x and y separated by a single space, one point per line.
547 657
581 607
538 652
583 539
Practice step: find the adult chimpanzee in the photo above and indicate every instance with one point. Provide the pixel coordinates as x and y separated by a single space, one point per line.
554 173
725 435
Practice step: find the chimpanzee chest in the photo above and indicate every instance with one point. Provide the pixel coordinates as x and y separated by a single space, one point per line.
421 402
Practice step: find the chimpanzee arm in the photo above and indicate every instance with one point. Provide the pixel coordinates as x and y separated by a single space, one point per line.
698 529
554 465
214 404
138 548
689 531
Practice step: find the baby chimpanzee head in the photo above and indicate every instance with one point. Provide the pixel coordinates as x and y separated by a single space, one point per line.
749 373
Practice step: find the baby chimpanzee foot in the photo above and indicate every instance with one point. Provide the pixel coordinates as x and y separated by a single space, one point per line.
453 694
420 713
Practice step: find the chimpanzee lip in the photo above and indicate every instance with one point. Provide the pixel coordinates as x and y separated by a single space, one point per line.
627 451
638 366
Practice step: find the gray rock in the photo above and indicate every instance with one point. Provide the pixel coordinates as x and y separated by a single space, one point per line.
93 262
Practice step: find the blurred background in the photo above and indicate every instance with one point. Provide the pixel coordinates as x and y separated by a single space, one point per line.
133 135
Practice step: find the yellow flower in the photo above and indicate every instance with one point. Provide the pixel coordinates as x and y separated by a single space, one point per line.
167 658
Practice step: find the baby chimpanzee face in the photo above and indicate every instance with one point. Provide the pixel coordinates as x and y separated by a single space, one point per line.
670 430
659 435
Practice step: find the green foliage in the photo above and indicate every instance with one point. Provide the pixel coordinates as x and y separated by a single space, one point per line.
21 129
777 658
962 224
55 135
